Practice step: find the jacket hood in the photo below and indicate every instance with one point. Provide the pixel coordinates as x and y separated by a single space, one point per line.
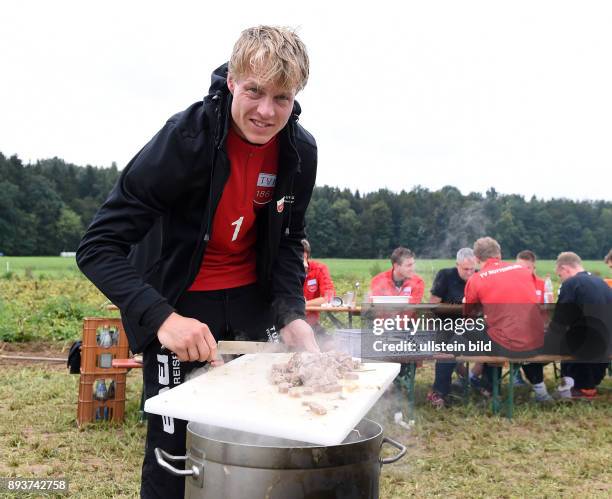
218 80
218 85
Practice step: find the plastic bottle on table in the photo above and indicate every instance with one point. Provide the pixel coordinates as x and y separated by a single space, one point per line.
549 296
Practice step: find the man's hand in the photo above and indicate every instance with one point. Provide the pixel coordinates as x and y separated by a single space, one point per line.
299 335
189 339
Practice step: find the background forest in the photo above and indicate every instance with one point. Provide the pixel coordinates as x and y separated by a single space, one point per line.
46 206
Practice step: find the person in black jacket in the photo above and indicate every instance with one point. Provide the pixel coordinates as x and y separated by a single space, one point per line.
199 240
583 314
448 287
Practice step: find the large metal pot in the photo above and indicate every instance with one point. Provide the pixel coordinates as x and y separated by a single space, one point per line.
222 463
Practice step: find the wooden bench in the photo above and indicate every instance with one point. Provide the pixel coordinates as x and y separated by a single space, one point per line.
408 379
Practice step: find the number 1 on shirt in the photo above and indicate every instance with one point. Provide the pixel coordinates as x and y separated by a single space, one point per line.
238 224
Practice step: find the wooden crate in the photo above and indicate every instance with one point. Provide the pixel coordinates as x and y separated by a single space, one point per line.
96 359
96 364
91 409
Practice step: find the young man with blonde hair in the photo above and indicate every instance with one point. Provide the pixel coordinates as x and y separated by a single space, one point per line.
199 240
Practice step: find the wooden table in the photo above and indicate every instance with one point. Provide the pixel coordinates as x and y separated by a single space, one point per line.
350 311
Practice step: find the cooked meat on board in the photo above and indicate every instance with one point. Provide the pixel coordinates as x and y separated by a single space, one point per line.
316 372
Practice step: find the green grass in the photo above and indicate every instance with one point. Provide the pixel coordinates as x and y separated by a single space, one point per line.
561 449
464 451
46 298
37 266
55 266
47 309
364 270
39 436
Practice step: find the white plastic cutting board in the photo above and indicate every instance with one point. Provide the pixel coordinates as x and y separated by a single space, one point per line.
239 395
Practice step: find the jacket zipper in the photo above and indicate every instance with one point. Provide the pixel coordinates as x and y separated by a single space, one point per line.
212 204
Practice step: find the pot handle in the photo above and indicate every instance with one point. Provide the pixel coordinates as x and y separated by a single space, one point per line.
397 445
160 454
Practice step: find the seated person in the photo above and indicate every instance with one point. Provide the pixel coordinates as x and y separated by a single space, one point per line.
588 293
506 293
533 371
400 279
317 286
448 287
608 262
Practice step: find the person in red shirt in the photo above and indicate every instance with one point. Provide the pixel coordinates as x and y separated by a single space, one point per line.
527 259
533 371
507 293
400 279
317 286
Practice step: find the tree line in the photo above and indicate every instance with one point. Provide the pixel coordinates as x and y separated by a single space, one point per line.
46 206
435 224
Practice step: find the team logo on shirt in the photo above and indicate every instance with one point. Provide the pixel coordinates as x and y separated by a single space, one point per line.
280 205
311 285
265 188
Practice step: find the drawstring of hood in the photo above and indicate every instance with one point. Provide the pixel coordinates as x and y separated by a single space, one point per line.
218 88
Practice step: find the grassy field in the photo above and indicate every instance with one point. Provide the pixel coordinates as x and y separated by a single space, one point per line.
559 450
37 266
463 451
55 266
46 298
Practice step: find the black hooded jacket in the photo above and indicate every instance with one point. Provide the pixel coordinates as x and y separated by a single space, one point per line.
146 243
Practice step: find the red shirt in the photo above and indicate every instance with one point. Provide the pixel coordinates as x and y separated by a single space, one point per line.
230 257
412 288
317 283
508 294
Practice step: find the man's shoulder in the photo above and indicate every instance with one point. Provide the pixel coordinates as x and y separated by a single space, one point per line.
575 280
501 268
307 149
317 266
447 273
418 279
190 122
303 136
589 280
382 276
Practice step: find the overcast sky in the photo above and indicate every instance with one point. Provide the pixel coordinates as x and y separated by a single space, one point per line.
515 95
